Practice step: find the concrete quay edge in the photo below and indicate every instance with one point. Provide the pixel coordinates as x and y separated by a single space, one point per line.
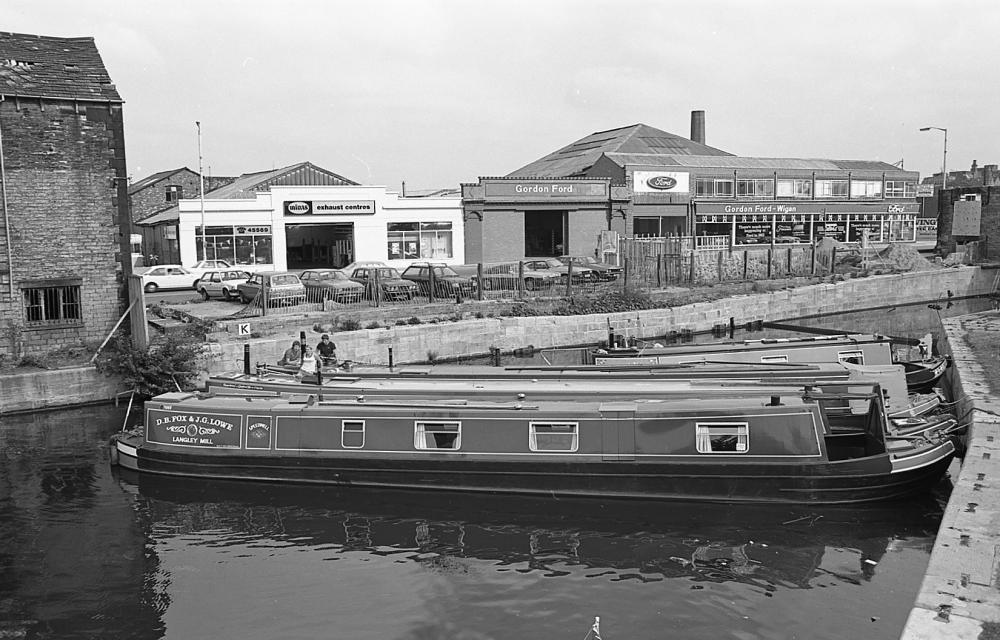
959 598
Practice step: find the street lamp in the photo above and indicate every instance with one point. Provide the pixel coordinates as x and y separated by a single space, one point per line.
944 162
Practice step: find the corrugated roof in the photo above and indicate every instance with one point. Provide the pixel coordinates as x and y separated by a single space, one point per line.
172 214
47 67
249 185
576 158
735 162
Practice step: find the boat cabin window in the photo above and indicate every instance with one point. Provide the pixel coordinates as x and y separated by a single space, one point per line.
722 437
437 435
851 357
774 358
553 436
352 434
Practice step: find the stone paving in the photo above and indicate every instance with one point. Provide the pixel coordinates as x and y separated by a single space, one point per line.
960 595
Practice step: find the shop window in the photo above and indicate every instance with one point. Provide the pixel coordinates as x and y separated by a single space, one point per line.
831 188
755 188
794 188
721 437
174 193
866 189
239 245
553 436
413 240
55 303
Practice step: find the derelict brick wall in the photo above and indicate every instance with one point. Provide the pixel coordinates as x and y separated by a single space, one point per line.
59 160
153 198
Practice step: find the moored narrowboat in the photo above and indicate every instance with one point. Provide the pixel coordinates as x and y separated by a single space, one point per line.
757 447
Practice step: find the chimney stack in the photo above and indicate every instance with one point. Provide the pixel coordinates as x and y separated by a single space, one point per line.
698 127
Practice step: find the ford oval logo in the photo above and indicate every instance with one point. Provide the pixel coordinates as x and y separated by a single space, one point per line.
662 183
298 207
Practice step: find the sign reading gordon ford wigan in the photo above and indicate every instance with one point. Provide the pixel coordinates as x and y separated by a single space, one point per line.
329 207
547 190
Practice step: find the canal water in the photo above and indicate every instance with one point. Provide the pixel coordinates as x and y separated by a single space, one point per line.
87 551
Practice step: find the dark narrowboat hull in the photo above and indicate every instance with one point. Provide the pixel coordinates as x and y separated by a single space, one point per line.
922 376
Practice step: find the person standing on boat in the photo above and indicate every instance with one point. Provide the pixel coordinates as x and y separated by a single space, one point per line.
310 364
327 351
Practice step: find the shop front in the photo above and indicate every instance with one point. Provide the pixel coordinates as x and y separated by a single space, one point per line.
760 223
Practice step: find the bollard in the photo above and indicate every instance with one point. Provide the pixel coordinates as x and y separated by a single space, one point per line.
302 346
390 358
246 359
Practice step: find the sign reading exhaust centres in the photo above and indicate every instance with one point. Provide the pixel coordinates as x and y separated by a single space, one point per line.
329 207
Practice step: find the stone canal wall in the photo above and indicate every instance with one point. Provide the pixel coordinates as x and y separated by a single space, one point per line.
474 337
41 390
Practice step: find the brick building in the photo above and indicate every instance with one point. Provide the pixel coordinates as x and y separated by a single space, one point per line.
163 190
64 224
969 220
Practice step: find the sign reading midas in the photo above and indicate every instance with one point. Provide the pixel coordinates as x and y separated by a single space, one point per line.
661 182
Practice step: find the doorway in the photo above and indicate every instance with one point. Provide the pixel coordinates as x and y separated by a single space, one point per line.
317 246
544 233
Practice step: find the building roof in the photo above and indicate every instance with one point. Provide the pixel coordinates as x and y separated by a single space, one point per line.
303 173
738 162
576 158
153 179
60 68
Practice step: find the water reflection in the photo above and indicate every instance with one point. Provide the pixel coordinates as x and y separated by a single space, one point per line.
763 547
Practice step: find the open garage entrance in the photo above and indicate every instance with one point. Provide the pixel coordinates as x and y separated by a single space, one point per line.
544 233
315 246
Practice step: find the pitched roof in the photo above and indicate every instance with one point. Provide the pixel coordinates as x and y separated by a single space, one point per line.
576 158
739 162
48 67
303 173
153 179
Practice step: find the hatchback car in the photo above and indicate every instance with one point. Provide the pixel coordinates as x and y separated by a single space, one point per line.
166 276
278 288
331 284
602 270
553 265
446 281
222 284
391 285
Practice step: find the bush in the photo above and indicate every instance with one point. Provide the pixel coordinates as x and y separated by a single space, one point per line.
349 324
372 325
168 365
414 320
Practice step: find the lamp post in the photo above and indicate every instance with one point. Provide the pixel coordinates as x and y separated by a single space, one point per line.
201 181
944 161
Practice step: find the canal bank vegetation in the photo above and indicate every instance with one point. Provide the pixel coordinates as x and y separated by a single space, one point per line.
170 363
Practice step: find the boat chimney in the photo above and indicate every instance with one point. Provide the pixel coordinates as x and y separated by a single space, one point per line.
698 127
775 401
246 359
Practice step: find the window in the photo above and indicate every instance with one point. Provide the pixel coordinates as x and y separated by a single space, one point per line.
236 245
851 357
755 187
866 188
713 188
352 434
794 188
831 188
52 304
411 240
722 437
437 435
780 359
900 189
553 436
174 193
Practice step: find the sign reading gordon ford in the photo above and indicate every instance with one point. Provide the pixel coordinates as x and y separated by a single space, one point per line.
329 207
546 189
661 182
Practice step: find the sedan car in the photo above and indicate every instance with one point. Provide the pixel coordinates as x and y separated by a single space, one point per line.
331 284
278 288
199 268
553 265
602 270
222 284
446 281
166 276
391 285
503 276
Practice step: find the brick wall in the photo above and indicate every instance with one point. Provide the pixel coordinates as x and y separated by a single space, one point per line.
63 209
152 199
989 237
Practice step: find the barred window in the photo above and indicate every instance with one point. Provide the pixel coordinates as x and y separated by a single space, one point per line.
52 305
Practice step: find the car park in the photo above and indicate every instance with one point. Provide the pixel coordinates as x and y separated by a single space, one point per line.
602 270
279 288
331 284
446 281
391 285
222 284
553 265
199 268
166 276
503 276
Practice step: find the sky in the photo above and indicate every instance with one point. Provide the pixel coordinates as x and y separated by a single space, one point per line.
440 92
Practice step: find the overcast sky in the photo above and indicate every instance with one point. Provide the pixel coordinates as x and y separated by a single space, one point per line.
438 92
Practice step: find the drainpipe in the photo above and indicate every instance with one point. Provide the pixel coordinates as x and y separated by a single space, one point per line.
6 217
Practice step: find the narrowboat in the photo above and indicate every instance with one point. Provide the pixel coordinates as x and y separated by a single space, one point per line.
867 349
753 447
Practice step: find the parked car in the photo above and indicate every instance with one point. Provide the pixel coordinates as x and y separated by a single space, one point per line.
278 287
446 281
331 284
553 265
602 270
199 268
222 284
166 276
503 276
391 284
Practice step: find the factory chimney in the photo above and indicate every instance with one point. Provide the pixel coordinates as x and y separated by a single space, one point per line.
698 127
